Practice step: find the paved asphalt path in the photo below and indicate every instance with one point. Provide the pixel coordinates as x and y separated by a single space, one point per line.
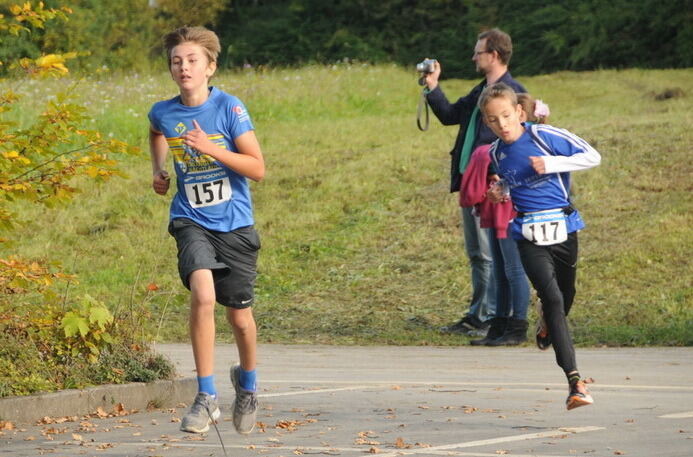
409 401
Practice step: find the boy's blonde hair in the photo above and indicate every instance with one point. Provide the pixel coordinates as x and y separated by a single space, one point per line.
208 40
496 90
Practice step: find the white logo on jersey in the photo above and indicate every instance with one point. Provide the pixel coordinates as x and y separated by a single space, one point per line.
241 113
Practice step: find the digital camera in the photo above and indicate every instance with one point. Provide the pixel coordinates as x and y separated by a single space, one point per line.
427 66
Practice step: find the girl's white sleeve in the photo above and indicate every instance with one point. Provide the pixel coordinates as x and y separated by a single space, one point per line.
571 153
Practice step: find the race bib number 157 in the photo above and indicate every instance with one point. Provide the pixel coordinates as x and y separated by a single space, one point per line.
545 228
208 193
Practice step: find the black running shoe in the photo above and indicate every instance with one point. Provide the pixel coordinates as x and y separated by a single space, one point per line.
543 339
465 325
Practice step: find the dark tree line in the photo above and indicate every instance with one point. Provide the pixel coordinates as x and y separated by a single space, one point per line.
548 36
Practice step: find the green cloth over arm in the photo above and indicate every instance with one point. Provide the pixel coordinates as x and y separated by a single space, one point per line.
468 143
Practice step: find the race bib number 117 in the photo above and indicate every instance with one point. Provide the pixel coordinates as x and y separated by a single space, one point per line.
208 193
545 228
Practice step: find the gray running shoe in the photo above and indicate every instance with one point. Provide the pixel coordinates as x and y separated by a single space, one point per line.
203 411
245 404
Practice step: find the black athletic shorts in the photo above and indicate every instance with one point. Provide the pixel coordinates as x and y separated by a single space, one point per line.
232 257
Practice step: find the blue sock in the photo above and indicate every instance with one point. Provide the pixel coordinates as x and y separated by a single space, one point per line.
248 379
206 384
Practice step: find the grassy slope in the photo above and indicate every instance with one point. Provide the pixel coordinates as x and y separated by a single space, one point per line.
361 241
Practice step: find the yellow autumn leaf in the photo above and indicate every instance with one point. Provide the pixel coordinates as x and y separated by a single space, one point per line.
48 60
52 62
10 154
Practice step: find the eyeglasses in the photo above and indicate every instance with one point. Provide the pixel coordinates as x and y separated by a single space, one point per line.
478 53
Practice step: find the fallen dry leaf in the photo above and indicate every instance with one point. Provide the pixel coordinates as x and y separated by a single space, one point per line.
365 441
373 450
53 431
619 453
77 437
86 426
119 409
57 420
292 425
6 425
400 444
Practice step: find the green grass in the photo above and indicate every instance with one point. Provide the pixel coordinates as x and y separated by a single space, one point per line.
361 240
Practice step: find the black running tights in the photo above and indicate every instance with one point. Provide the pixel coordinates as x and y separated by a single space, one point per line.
552 271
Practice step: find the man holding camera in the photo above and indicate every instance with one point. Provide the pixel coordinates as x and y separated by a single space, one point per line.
491 56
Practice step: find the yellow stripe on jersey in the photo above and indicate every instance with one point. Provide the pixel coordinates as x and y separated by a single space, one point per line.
177 142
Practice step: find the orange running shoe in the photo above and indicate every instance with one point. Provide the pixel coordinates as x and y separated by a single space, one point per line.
578 396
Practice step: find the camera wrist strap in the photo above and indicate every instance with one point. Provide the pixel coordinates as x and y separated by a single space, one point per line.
423 105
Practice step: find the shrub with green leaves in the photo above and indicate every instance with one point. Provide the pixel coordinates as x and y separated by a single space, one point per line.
48 340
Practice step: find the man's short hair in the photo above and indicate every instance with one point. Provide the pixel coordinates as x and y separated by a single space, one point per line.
499 41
